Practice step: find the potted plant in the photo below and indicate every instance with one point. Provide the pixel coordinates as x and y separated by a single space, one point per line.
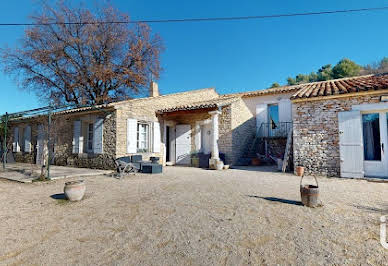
256 161
299 170
74 190
195 160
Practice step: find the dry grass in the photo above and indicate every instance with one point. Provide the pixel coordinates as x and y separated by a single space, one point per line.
194 217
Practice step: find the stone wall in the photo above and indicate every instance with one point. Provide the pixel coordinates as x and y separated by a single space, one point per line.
316 136
22 156
145 109
87 160
62 132
243 130
225 138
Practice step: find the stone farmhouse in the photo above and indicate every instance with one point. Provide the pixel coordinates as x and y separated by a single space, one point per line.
172 127
339 128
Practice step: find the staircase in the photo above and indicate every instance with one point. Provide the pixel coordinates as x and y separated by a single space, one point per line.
260 145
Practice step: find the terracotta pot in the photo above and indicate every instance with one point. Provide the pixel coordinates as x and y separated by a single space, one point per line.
75 190
299 170
256 161
219 165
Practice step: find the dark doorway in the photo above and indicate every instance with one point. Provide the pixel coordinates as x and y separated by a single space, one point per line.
168 146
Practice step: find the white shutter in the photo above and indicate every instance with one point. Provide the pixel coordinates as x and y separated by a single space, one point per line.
285 110
77 138
15 144
98 136
131 135
197 137
261 115
156 135
351 144
27 139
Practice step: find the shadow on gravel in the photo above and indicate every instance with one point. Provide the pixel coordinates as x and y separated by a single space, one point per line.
286 201
60 196
382 210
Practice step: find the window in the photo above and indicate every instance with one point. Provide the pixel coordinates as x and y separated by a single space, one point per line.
273 119
143 137
371 134
90 137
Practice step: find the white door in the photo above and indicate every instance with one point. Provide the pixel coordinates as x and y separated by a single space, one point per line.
374 126
183 144
206 138
351 144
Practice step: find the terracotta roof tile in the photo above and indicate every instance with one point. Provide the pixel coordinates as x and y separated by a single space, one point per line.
341 86
213 103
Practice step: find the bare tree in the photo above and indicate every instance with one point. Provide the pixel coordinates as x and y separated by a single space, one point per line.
71 57
376 67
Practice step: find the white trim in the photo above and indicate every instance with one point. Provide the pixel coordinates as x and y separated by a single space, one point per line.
370 107
156 143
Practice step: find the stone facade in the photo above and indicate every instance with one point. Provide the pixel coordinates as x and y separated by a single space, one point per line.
145 109
243 130
63 135
225 138
236 129
316 136
89 160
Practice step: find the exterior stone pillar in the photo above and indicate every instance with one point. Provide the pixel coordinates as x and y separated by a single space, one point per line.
197 132
215 162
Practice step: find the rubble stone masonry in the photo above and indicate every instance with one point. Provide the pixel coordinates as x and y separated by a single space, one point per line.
316 136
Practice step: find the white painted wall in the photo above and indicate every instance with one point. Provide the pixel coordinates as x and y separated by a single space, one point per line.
252 102
258 107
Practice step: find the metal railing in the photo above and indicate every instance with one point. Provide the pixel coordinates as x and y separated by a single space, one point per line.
274 130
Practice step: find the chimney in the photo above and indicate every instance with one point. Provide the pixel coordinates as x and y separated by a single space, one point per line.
154 90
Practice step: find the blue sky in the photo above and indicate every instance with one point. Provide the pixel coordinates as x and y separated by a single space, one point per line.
232 56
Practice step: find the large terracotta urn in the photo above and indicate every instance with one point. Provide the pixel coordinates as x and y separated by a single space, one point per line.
75 190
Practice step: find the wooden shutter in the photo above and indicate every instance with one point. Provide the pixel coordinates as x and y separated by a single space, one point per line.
285 110
261 116
131 135
15 144
351 144
156 137
77 141
27 139
98 136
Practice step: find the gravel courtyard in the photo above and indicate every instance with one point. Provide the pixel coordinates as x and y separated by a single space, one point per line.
190 216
